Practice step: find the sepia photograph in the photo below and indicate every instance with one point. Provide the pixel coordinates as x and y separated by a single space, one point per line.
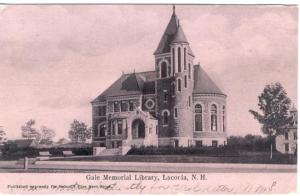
148 98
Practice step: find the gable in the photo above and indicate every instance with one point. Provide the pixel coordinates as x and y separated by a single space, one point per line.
130 84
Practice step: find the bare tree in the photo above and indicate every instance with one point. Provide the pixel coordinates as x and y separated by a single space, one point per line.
29 132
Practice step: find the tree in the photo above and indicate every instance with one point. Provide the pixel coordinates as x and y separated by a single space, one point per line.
62 141
47 135
2 134
79 132
29 132
274 105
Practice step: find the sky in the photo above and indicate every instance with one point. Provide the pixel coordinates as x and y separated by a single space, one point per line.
55 59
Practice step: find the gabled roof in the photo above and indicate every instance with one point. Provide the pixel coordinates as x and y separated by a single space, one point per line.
203 84
131 84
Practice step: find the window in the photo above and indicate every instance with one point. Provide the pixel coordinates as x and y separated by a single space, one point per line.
295 135
173 59
101 130
131 106
286 135
175 113
213 117
286 147
173 89
223 119
185 81
179 84
199 143
179 59
120 127
214 143
102 110
119 143
198 117
189 101
184 58
116 107
189 71
113 128
124 106
164 69
165 118
165 96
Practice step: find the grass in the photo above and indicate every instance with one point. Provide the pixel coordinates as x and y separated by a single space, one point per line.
262 158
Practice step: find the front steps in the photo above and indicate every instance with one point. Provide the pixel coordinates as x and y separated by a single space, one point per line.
100 151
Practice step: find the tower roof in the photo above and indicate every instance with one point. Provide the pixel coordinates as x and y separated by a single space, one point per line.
172 34
179 36
203 84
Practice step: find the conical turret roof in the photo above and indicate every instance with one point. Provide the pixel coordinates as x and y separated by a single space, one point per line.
164 44
179 36
172 34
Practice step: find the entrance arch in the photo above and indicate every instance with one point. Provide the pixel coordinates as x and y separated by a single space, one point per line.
138 129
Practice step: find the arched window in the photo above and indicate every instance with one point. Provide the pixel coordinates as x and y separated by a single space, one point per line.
163 69
184 58
185 81
101 130
198 118
179 84
173 60
179 59
213 117
223 117
189 71
165 117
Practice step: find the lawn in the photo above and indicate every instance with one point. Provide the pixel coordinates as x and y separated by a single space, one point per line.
262 158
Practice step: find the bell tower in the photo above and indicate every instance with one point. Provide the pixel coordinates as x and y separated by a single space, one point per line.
174 85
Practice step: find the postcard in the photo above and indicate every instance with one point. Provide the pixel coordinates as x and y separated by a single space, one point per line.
148 99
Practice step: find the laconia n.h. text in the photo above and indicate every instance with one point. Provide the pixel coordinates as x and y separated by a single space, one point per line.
143 177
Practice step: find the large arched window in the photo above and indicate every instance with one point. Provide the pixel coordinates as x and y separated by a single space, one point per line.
165 116
213 117
198 118
179 84
173 60
179 59
185 81
101 130
223 118
164 68
184 59
190 71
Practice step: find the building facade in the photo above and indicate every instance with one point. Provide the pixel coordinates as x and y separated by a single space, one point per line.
286 143
177 104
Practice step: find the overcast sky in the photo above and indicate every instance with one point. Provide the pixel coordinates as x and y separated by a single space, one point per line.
54 60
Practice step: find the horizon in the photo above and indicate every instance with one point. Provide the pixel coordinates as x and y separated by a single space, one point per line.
55 59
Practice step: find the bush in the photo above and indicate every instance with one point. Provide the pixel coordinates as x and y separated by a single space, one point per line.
206 150
12 152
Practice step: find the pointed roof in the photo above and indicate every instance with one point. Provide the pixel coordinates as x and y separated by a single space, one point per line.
172 34
203 84
133 83
179 36
164 44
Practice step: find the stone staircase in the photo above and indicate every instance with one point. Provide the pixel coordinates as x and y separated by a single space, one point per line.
113 151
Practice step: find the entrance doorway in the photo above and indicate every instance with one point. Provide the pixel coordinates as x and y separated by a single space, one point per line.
138 129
